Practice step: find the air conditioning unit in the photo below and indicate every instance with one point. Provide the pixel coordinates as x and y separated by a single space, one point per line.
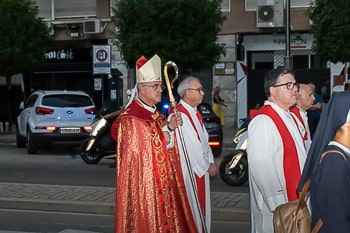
49 25
92 27
270 13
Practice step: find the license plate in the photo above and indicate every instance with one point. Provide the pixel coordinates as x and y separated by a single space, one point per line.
70 130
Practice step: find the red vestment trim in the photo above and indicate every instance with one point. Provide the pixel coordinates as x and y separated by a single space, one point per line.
296 111
200 182
182 109
291 165
201 192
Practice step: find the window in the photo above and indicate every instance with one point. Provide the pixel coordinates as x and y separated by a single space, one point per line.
45 8
251 5
225 6
64 101
61 9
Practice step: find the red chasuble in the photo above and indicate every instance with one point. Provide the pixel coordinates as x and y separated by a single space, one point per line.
150 191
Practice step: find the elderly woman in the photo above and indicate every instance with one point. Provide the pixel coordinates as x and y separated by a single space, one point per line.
330 175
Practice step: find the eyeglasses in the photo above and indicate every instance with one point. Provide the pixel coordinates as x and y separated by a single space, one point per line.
200 89
289 85
155 86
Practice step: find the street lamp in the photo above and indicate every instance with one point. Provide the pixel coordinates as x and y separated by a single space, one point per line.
288 60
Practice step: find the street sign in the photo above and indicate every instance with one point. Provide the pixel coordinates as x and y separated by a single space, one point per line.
102 59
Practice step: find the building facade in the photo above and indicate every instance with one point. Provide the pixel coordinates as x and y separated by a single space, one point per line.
77 29
255 35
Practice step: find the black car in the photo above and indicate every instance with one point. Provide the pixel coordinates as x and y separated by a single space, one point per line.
213 126
211 122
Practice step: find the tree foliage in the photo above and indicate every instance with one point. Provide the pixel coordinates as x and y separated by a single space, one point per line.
331 29
23 37
184 31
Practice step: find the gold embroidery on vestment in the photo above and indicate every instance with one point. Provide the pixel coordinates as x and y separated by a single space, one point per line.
163 176
155 115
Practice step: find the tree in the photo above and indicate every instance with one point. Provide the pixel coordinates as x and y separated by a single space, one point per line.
184 31
23 37
331 29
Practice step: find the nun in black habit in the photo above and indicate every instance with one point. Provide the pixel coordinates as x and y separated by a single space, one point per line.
330 177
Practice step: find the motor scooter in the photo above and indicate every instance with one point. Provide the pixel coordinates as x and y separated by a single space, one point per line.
100 144
233 168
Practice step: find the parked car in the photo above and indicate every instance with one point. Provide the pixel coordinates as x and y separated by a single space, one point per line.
54 117
213 126
211 123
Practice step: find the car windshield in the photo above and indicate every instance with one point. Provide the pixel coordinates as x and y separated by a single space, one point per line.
63 101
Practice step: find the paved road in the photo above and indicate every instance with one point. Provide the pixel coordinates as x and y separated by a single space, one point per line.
225 206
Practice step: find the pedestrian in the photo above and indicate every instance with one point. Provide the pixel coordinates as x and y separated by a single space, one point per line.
217 103
196 146
150 190
299 111
325 90
276 150
330 187
314 112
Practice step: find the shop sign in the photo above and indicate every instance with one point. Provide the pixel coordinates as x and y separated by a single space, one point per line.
62 54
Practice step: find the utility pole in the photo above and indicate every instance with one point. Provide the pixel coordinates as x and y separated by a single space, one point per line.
288 60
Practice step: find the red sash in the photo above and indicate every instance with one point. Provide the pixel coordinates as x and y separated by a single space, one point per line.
290 155
182 109
200 182
296 111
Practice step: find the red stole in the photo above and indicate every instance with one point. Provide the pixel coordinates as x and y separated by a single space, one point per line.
182 109
200 181
290 155
296 111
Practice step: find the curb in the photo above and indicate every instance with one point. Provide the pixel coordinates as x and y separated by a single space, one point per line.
58 206
8 137
101 200
230 207
60 198
218 213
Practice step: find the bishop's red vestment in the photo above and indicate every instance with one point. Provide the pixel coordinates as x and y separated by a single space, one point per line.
150 192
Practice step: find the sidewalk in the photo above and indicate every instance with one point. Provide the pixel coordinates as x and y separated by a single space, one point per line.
100 200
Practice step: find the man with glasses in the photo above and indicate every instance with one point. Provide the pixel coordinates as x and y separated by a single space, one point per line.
150 190
276 152
198 150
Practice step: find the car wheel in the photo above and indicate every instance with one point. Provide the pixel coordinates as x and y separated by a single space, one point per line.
20 142
31 145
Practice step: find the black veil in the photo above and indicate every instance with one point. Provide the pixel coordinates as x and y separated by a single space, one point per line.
333 116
